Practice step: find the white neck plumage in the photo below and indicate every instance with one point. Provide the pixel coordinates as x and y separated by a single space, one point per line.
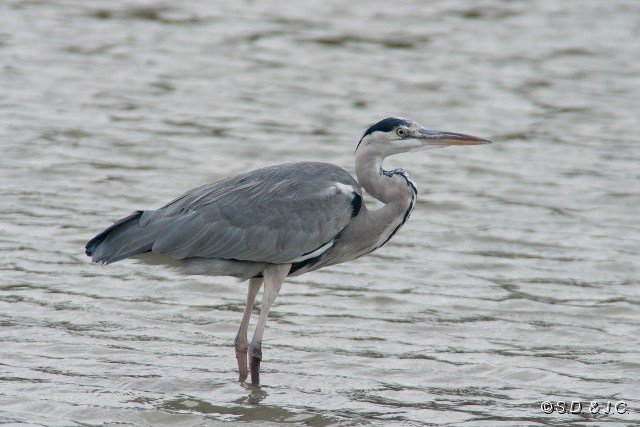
393 188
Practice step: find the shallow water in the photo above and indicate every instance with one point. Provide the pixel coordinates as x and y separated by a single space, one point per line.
514 282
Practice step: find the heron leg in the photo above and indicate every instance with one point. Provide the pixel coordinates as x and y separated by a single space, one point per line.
241 342
274 275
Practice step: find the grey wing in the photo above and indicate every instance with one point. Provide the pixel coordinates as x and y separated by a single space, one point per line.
280 214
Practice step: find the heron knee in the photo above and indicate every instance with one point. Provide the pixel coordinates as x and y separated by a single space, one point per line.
241 342
255 350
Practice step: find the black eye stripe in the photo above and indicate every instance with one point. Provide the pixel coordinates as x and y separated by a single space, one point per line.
384 125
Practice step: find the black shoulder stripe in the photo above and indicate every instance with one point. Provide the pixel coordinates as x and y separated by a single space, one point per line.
356 204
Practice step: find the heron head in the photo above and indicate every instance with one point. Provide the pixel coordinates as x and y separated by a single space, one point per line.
395 135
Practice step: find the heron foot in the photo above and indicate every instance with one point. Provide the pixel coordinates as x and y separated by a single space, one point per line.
255 351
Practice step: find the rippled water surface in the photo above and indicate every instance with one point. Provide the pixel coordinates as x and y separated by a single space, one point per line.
515 281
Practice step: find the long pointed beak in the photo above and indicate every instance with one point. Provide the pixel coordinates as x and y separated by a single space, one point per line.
439 138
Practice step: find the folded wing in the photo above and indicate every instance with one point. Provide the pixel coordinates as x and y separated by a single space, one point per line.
278 214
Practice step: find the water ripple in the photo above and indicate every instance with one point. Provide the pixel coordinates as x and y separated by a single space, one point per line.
516 280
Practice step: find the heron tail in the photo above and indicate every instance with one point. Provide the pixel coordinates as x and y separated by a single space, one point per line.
125 238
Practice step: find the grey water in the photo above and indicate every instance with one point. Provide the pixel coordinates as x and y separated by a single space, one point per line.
516 280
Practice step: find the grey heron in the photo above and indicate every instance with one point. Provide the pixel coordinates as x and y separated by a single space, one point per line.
279 221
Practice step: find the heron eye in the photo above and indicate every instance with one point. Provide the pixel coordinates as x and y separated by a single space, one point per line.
401 132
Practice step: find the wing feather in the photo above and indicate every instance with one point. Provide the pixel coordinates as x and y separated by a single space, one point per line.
275 214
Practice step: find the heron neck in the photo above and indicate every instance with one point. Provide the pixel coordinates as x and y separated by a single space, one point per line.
393 188
379 183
